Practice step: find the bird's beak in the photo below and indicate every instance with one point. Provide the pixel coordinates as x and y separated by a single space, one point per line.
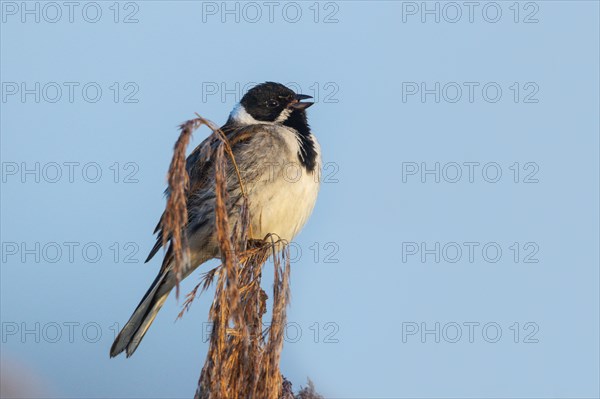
296 104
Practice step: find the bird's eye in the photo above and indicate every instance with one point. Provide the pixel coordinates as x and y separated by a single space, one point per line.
272 103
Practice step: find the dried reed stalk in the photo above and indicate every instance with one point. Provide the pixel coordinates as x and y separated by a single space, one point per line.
243 359
176 216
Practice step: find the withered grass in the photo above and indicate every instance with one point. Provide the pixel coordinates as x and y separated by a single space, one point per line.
243 358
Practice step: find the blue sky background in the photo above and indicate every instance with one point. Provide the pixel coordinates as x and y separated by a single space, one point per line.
354 319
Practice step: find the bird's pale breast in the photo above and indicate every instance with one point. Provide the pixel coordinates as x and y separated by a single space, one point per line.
285 197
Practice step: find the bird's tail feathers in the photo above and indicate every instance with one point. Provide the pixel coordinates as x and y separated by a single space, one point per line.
132 333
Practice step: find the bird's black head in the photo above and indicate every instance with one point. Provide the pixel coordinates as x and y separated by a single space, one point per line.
269 102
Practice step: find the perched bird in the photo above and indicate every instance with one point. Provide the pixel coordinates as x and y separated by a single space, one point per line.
279 160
